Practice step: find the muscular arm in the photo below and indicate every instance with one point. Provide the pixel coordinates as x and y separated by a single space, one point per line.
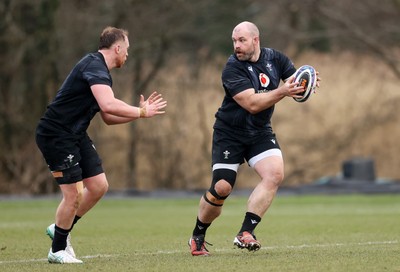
255 102
113 110
110 119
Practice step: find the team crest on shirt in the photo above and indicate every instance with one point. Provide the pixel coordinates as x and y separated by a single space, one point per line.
264 80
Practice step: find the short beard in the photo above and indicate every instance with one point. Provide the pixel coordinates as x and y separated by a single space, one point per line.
245 57
119 64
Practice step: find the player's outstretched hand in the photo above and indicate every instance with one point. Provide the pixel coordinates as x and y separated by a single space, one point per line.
154 105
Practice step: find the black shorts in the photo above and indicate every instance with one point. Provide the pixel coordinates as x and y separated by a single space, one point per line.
70 160
230 149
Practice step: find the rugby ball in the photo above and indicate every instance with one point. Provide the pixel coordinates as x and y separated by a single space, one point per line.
305 76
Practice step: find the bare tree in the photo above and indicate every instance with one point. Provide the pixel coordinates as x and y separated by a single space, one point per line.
364 29
24 85
41 41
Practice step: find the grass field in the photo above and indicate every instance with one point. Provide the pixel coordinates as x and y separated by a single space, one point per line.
299 233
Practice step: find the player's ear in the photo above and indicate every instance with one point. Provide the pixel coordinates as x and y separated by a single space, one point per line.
256 39
117 48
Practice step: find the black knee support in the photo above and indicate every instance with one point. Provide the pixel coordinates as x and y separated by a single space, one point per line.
211 196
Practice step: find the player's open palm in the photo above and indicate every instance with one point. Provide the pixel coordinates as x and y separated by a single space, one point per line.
154 105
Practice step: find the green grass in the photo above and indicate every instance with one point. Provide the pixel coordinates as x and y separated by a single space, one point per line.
299 233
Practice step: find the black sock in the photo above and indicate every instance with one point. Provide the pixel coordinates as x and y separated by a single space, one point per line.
200 228
73 223
250 222
59 240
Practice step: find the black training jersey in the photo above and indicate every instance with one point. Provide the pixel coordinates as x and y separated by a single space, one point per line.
264 75
74 105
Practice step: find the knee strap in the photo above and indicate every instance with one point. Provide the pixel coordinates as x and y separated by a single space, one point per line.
226 174
211 196
212 200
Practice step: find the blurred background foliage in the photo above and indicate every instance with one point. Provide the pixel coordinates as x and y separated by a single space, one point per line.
179 47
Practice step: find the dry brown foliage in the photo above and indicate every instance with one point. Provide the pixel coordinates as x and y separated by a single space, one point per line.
353 114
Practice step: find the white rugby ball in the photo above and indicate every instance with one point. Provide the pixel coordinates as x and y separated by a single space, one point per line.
305 76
